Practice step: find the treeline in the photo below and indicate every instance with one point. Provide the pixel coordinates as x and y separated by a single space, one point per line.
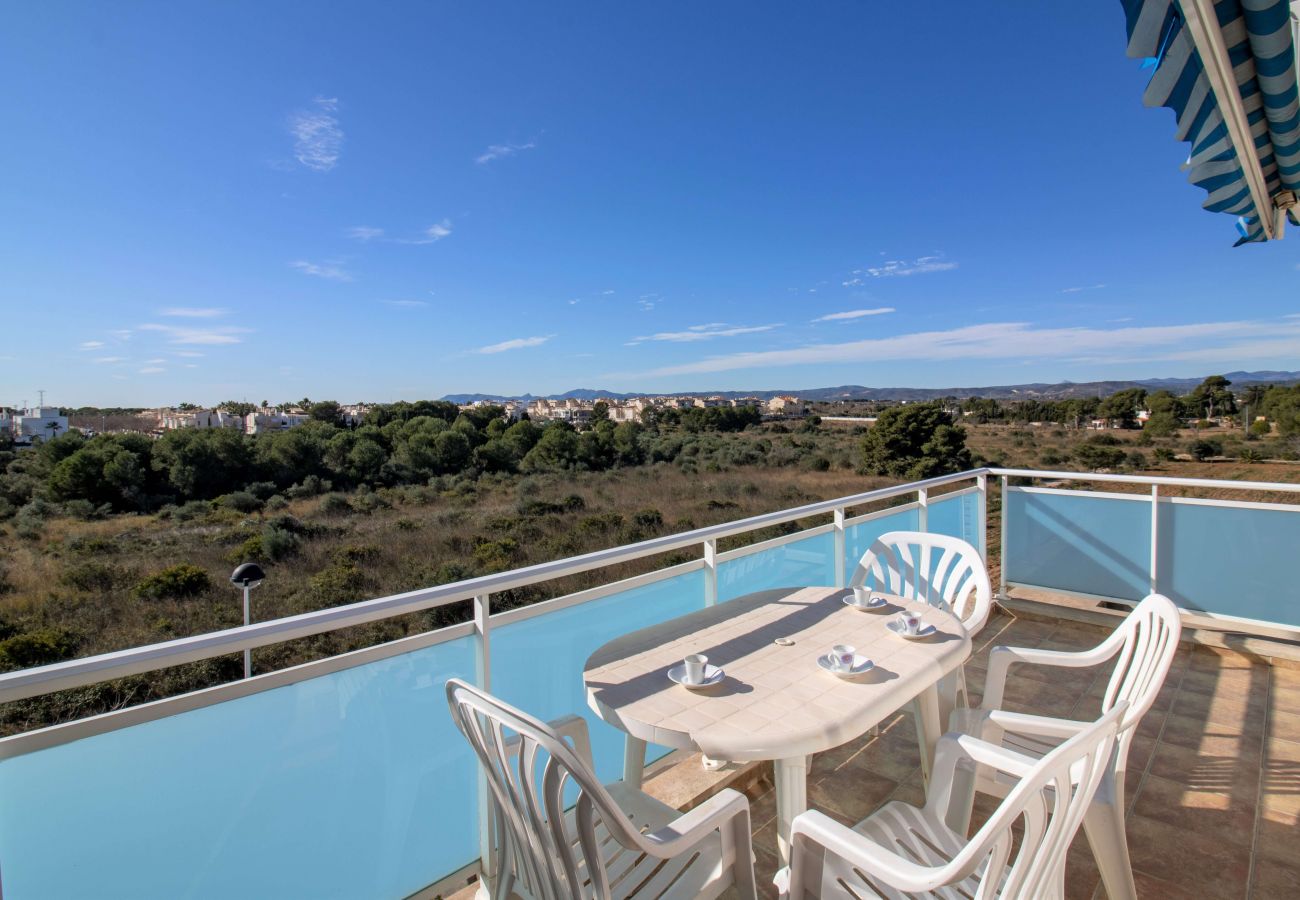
1211 399
397 444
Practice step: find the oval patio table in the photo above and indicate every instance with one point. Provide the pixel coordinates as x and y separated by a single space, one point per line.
775 702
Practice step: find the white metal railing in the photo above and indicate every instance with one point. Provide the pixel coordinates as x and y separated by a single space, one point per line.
103 667
1155 499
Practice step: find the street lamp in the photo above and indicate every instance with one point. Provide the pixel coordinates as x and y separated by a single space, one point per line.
247 576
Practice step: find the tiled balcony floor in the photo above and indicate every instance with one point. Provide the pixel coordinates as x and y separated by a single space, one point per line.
1213 778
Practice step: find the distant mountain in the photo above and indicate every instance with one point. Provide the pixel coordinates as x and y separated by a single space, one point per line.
1038 391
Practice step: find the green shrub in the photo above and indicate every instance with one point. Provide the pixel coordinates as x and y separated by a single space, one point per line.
241 501
276 502
279 544
1136 460
817 463
335 505
1163 454
496 556
174 583
38 647
1250 455
93 576
1099 456
1203 449
355 554
1260 428
195 509
648 518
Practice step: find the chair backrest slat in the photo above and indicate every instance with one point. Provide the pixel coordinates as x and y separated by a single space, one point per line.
936 569
545 851
1149 637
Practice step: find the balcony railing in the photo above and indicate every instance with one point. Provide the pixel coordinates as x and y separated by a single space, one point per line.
345 777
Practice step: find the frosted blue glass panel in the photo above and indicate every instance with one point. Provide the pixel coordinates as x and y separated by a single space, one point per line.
859 538
355 784
1076 542
1231 561
956 517
807 561
537 663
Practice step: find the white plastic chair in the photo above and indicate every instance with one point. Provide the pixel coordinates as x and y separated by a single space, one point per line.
1145 644
945 572
902 850
558 834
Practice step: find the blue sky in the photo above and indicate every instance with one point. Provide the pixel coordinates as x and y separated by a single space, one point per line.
384 201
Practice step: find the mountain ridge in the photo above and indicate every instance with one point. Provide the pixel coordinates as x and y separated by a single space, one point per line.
1063 390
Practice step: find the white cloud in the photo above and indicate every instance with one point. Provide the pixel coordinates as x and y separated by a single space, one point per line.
430 235
606 293
330 270
574 302
176 334
854 314
152 370
365 233
515 344
646 302
193 312
404 304
1233 343
898 268
122 334
703 333
501 151
91 345
318 139
1088 287
109 360
154 362
189 354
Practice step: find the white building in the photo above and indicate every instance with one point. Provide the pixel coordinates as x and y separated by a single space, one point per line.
39 423
176 419
786 406
264 420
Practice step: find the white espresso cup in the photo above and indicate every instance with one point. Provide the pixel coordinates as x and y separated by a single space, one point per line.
909 621
861 596
842 656
695 664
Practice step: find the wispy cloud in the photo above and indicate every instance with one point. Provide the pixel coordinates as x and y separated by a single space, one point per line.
176 334
702 333
330 270
91 345
854 314
1233 342
152 370
501 151
1086 287
109 360
318 139
515 344
646 302
430 235
899 268
188 354
365 233
405 304
122 334
193 312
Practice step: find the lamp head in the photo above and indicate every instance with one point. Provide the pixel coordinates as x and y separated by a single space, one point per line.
249 575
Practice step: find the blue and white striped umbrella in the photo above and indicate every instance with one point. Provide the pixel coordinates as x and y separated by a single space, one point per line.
1255 47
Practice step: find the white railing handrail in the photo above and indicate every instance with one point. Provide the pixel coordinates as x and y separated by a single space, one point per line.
135 660
1163 480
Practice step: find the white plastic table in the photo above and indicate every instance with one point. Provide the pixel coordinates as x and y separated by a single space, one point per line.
775 702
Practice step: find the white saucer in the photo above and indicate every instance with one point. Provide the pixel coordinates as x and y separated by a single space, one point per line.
923 632
712 675
874 604
860 664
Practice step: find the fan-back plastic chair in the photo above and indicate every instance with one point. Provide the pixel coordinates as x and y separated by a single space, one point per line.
1143 646
903 850
558 834
942 571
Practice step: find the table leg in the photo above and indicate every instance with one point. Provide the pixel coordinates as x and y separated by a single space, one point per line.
928 727
791 799
633 761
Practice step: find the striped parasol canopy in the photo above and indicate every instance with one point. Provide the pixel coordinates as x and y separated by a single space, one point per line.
1228 71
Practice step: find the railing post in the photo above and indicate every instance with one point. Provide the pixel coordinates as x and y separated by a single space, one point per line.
923 510
1002 566
982 514
483 679
710 572
1155 536
837 529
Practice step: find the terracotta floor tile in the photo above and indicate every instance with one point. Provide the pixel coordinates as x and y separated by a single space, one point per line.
1275 881
1277 841
1187 731
1200 812
1192 861
1238 683
1221 765
1245 714
1285 726
849 800
1285 699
